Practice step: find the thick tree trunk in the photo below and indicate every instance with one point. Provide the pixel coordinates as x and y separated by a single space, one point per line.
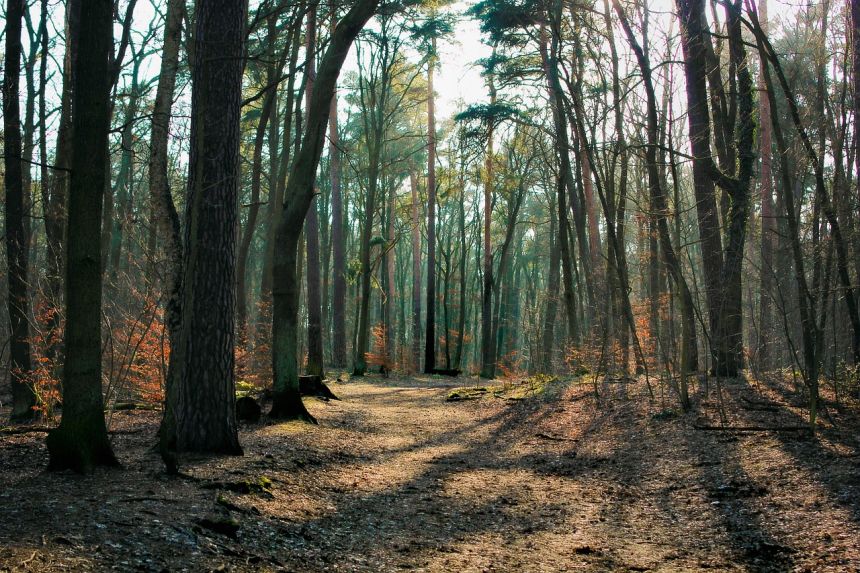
17 244
81 440
565 181
722 268
548 334
202 404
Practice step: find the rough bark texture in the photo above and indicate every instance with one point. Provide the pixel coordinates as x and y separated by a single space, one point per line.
17 244
203 401
81 440
722 262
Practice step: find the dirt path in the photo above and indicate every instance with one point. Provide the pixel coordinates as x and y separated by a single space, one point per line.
395 478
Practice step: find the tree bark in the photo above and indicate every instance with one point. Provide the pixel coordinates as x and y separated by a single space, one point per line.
416 275
312 231
269 103
299 192
767 216
488 339
17 243
81 440
338 293
658 195
430 332
202 404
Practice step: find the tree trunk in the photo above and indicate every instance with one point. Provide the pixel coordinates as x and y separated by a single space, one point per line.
391 292
164 216
338 293
416 275
488 339
430 333
461 225
57 202
312 231
299 193
548 336
565 180
17 245
658 195
269 104
363 342
81 440
767 221
202 405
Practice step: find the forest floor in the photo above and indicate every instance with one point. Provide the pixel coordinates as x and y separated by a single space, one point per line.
525 478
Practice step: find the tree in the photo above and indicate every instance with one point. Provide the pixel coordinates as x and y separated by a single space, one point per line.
312 233
17 243
81 440
287 401
689 355
200 406
338 292
723 260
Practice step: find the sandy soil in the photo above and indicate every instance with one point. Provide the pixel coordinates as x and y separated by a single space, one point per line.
397 479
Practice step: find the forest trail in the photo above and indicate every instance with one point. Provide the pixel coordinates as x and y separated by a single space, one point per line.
395 478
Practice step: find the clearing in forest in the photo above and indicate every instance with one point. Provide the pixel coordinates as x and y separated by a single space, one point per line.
521 478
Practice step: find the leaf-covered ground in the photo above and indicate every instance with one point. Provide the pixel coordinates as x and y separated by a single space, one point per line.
396 478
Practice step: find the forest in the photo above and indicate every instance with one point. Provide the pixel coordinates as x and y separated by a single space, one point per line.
430 285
